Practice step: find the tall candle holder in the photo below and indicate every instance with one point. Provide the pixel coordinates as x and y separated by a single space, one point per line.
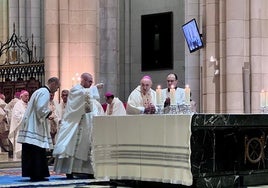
263 110
188 109
263 101
187 92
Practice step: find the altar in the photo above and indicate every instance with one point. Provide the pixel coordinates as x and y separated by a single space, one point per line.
204 150
143 147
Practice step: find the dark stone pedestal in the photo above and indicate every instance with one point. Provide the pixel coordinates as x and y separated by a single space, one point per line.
229 149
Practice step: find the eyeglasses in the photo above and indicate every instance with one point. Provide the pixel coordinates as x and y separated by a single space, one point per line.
171 80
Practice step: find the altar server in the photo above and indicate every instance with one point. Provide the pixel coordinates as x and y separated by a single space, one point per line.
34 133
172 81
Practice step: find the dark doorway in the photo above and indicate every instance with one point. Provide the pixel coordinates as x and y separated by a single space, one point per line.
157 41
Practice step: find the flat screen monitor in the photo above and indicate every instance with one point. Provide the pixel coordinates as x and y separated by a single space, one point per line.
192 36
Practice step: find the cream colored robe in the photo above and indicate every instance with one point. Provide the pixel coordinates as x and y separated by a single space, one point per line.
116 108
9 107
72 149
54 123
135 101
179 95
16 118
60 110
4 126
97 109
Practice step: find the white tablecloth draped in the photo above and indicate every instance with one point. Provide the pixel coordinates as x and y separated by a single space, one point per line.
143 147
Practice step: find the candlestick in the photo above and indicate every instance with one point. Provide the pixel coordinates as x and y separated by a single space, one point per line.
172 95
262 98
266 98
158 95
187 91
73 81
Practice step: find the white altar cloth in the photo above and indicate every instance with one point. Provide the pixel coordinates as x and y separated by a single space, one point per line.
143 147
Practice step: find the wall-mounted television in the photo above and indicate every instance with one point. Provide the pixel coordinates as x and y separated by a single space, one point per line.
192 36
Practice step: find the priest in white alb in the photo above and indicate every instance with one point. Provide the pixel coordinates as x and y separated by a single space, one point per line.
73 146
172 82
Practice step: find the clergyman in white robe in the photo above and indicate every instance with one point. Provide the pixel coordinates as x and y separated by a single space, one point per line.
97 109
16 118
116 108
72 149
137 102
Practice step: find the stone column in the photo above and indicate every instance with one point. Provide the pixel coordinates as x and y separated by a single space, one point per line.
13 16
236 54
22 9
109 46
71 39
258 49
36 26
192 61
52 38
124 49
64 49
81 40
4 21
3 25
210 82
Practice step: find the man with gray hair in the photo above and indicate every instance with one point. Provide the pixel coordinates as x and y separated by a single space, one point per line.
142 99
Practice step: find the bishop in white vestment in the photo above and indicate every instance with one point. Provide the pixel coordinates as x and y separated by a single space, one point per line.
142 100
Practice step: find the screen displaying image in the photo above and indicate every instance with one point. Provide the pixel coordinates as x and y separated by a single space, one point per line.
192 36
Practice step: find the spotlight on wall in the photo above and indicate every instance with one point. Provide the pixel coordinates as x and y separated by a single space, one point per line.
213 60
217 72
216 65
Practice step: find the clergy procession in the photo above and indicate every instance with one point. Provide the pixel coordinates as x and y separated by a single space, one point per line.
37 126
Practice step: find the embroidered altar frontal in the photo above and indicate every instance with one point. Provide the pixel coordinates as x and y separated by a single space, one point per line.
143 147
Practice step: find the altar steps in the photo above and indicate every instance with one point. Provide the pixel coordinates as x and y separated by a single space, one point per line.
6 162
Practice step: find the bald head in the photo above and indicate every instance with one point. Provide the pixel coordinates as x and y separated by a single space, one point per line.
86 80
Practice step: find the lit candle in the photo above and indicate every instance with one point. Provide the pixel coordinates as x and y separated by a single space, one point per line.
172 95
158 95
73 81
187 91
77 78
262 98
266 98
